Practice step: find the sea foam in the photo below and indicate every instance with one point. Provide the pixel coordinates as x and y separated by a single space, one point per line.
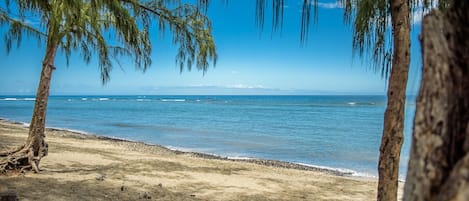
341 170
173 100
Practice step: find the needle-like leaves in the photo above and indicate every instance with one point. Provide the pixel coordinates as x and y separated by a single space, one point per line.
371 23
112 29
370 20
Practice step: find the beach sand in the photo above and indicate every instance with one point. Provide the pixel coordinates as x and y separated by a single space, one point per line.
87 167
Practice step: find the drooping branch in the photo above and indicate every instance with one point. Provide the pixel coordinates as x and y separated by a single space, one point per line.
17 27
278 14
9 152
191 30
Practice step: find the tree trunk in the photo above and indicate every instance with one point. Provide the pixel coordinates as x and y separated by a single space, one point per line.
30 154
36 135
439 160
392 138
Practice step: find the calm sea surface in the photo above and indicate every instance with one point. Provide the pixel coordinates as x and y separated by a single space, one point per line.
340 132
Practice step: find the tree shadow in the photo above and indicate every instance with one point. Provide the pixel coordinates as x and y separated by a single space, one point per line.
31 188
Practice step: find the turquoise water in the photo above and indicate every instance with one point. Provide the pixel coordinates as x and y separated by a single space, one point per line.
339 132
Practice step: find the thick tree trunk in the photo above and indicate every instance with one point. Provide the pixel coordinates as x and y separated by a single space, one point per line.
439 160
392 138
30 154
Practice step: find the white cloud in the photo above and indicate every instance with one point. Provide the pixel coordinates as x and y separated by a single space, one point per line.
330 5
325 5
202 89
419 12
24 91
242 86
201 85
417 16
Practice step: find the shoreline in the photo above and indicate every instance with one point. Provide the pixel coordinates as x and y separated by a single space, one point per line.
92 167
259 161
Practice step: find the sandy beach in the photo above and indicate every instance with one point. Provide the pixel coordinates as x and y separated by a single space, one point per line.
87 167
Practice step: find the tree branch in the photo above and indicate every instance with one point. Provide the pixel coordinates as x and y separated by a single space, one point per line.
5 18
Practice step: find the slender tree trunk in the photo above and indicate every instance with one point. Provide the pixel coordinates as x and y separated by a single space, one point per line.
392 138
30 154
36 135
439 160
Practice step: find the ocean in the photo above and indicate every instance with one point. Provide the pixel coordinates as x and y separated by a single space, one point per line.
335 132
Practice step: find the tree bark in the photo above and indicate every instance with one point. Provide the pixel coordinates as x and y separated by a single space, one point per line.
36 135
392 138
439 160
29 155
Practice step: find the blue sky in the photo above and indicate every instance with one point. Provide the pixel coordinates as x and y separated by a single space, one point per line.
250 61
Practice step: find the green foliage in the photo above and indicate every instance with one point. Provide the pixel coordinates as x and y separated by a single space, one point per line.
370 20
372 37
372 31
111 29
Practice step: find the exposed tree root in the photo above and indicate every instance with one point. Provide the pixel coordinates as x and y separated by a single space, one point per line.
14 161
8 152
22 159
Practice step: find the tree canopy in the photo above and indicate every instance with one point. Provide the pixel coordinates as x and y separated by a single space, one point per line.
371 23
369 19
112 29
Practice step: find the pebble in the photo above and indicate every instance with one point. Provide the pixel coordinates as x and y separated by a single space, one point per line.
100 177
146 196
